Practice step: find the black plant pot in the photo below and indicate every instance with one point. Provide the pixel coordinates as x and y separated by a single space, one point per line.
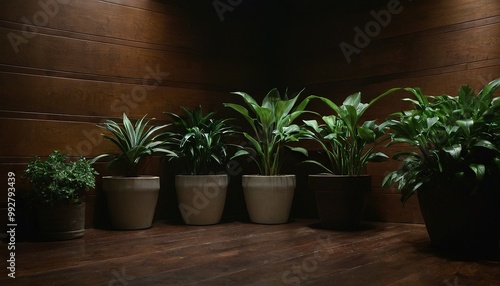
341 200
461 223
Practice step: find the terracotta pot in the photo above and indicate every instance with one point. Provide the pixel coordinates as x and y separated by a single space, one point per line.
341 200
201 198
131 200
269 198
459 222
61 221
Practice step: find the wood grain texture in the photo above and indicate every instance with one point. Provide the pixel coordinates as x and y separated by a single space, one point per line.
433 45
239 253
92 98
66 67
70 65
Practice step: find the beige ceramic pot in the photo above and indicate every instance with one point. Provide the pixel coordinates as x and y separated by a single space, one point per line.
269 198
131 200
201 198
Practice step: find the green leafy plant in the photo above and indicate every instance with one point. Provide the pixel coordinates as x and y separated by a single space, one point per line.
454 140
200 141
273 128
58 180
135 141
348 144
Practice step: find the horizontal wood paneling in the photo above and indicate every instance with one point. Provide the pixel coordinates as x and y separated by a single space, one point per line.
165 25
92 98
423 17
92 60
103 59
408 53
388 207
25 136
435 45
85 61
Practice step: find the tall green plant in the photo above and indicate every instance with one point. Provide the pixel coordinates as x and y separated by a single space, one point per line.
58 180
348 144
200 141
135 141
272 126
454 140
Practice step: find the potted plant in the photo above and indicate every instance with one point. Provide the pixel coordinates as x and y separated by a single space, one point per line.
200 144
269 195
343 191
57 190
132 198
453 165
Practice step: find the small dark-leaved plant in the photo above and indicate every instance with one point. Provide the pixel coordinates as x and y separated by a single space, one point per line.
199 141
58 180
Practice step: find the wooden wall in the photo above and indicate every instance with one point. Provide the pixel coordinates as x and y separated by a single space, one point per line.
69 64
66 65
435 45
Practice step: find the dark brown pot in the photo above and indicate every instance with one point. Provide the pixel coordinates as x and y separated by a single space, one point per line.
459 222
341 200
61 221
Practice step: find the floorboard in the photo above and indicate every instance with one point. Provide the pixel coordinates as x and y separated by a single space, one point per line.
240 253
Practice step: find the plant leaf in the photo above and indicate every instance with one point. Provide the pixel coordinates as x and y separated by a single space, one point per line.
479 170
454 151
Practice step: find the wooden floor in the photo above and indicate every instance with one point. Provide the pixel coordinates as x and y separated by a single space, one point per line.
238 253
